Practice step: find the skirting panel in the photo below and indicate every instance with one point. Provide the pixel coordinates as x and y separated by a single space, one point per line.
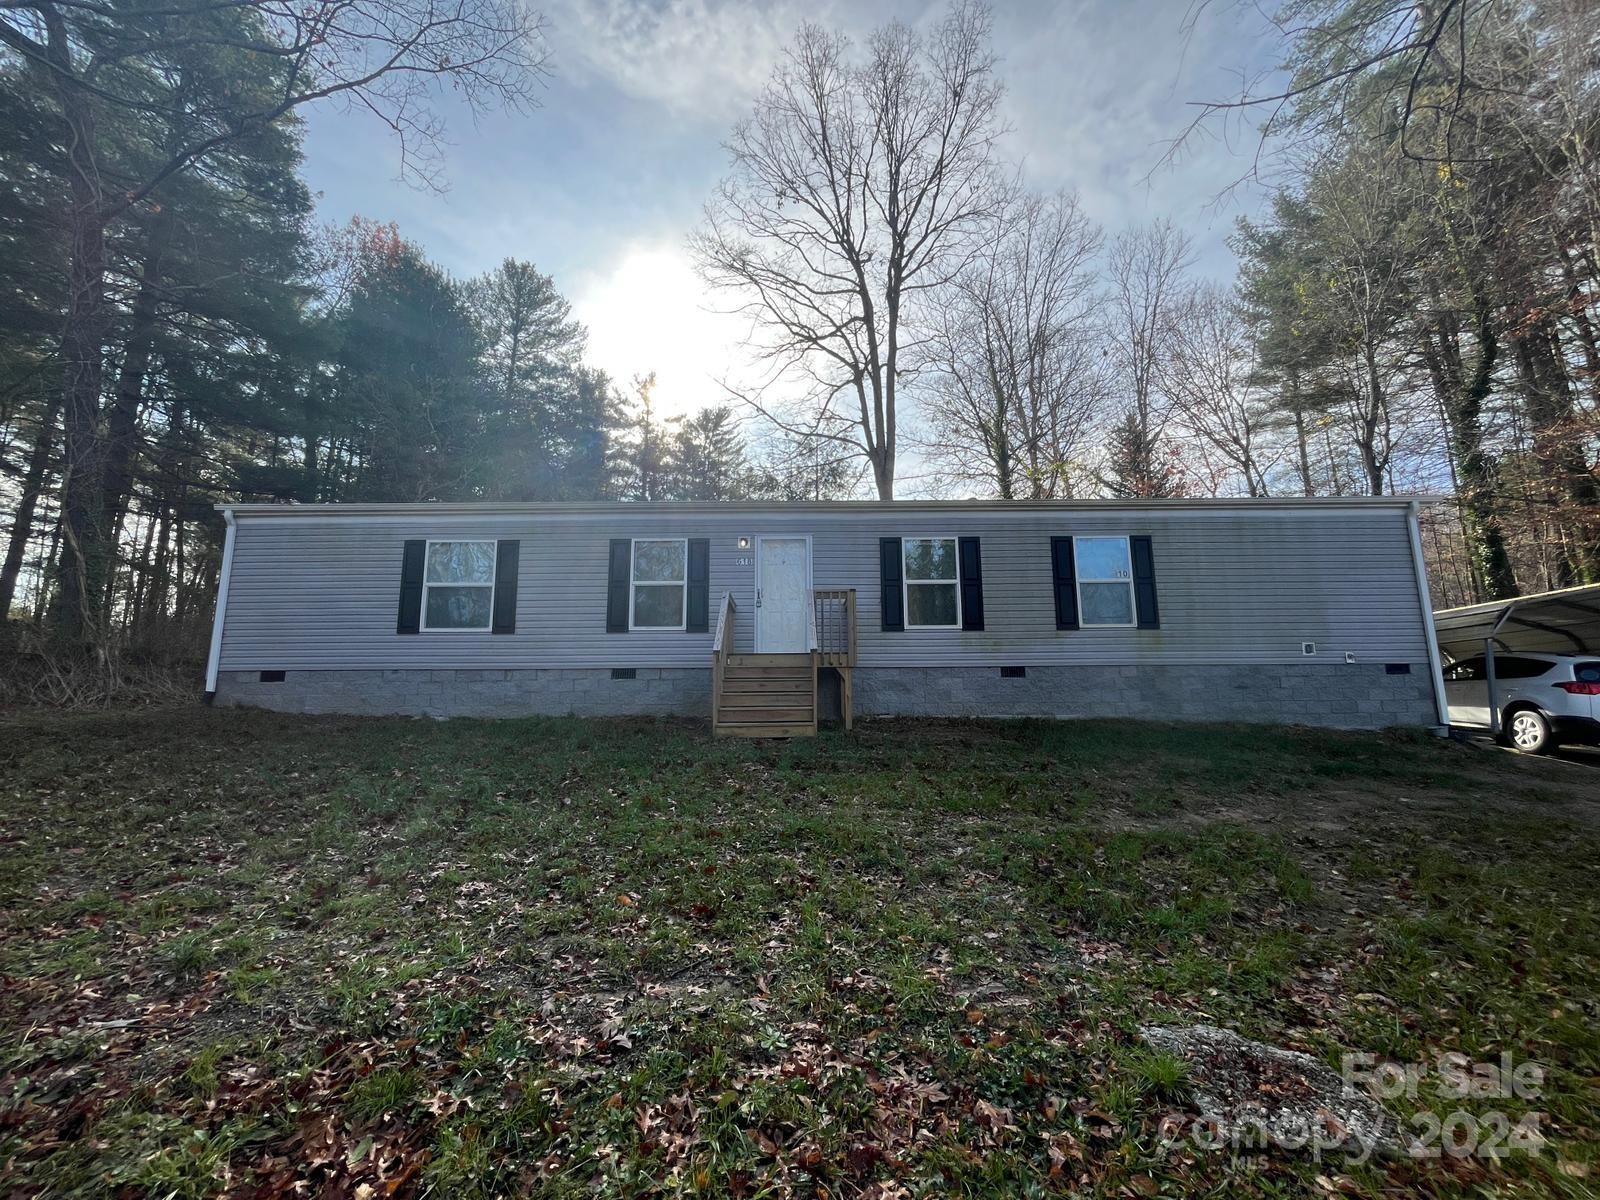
476 693
1341 695
1351 696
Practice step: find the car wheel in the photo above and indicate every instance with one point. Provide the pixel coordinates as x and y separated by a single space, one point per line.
1529 732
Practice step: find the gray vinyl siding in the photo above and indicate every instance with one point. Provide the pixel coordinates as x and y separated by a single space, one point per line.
1235 585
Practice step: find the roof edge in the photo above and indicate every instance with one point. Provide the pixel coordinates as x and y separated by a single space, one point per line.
485 508
1484 607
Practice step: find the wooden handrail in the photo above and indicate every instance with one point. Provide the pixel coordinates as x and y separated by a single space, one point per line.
850 621
721 647
834 617
720 644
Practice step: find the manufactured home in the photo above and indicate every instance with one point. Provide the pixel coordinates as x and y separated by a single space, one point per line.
763 617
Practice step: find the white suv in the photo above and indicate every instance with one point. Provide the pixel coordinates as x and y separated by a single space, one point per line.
1545 699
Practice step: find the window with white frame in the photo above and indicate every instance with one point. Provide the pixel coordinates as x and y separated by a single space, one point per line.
1105 581
458 586
932 583
659 582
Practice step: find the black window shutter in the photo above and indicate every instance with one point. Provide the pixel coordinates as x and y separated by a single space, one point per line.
618 574
1065 573
1144 583
698 617
971 583
891 571
410 619
506 555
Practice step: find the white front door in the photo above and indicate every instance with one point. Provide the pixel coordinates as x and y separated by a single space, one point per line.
783 589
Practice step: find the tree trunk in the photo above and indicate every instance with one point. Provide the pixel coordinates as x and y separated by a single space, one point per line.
1004 472
880 452
122 422
1005 469
1370 466
140 575
1301 441
180 494
81 568
180 596
883 474
47 570
1577 297
311 482
1255 483
116 526
28 503
1462 394
1559 452
1367 438
155 599
1303 451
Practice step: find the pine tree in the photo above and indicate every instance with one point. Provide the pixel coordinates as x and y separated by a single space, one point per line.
708 457
1139 465
408 379
641 456
531 350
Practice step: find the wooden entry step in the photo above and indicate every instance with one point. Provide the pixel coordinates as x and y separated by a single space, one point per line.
766 696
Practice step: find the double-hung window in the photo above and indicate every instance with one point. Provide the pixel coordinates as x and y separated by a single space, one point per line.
658 583
458 586
933 589
1105 581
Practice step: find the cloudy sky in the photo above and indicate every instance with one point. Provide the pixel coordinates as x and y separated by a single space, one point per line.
600 185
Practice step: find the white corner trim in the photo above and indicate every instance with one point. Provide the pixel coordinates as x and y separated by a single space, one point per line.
214 658
1426 599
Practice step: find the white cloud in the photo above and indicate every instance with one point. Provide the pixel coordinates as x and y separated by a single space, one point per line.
648 311
703 59
1098 91
700 58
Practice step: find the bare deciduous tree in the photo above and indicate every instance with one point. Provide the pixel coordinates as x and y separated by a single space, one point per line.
1208 374
1145 271
1363 297
1016 369
856 188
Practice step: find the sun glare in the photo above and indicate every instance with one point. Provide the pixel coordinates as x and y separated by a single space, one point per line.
650 312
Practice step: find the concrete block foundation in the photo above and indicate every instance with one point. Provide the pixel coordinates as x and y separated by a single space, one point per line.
1335 695
1341 696
475 693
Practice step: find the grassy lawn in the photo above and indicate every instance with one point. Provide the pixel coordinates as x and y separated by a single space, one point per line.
242 951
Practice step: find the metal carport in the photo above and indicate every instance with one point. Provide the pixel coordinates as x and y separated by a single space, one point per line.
1566 621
